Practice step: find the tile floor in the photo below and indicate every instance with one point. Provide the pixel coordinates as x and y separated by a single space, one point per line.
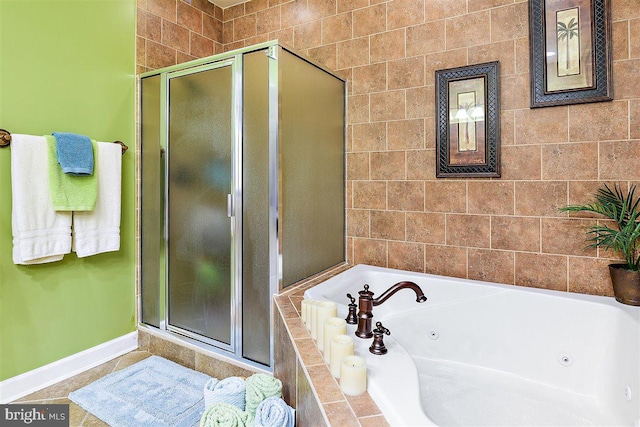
59 392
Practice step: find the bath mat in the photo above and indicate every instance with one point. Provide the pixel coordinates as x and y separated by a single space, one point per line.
154 392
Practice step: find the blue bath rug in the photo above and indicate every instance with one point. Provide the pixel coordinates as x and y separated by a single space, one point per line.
154 392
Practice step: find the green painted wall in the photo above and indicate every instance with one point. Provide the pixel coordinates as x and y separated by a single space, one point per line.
66 66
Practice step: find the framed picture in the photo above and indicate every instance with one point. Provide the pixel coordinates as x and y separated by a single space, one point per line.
570 48
468 121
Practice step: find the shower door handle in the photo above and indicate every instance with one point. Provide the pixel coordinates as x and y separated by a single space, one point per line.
229 205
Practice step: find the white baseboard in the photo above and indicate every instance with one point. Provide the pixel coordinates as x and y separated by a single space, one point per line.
37 379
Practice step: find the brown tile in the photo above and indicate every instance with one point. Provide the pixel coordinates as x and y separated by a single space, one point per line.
212 28
624 9
369 20
255 6
541 198
387 225
406 256
406 134
244 27
129 359
307 35
369 194
541 271
358 223
387 105
507 128
201 46
514 92
388 165
308 410
501 51
170 350
403 13
405 73
490 197
352 53
163 8
421 165
620 40
375 421
358 109
522 55
363 405
406 195
337 28
625 84
284 35
357 165
598 121
370 78
442 61
388 46
566 236
475 5
261 38
154 27
445 196
293 13
296 328
619 160
446 260
309 353
140 51
349 5
268 20
321 8
369 251
141 22
369 136
340 414
491 266
426 38
420 102
509 22
233 12
175 37
435 10
285 362
426 227
590 276
218 368
159 56
326 55
570 161
205 6
233 46
515 233
189 17
581 193
468 30
227 33
542 125
521 162
325 385
468 230
634 42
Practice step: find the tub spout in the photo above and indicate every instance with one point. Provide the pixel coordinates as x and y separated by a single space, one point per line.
366 304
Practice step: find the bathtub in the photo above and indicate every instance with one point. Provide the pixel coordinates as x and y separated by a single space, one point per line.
486 354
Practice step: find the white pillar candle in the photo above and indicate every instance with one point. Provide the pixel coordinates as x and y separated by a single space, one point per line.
312 317
332 326
341 346
353 375
305 312
324 311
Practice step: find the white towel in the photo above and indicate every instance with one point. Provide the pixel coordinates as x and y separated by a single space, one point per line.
98 231
40 234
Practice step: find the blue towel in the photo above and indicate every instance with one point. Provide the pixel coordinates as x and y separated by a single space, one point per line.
229 390
274 412
75 153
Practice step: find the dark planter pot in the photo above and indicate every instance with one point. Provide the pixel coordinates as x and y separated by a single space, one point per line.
626 284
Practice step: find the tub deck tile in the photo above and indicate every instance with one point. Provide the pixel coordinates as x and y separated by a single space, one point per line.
340 414
377 421
363 405
325 385
309 353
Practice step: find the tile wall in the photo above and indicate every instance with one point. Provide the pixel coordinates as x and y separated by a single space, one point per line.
399 215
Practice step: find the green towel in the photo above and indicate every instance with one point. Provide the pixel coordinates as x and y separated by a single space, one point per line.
69 192
259 387
223 415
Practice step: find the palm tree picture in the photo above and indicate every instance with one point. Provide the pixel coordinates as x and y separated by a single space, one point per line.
567 30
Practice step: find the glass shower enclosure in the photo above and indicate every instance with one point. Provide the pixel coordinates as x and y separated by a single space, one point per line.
242 193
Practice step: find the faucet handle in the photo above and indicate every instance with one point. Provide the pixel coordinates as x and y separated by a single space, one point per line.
366 292
352 317
378 347
353 300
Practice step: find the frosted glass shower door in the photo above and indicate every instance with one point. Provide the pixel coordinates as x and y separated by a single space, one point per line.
200 267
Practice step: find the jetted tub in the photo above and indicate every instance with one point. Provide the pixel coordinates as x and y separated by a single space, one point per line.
485 354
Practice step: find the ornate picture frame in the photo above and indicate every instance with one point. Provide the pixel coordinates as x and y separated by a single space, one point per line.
570 52
468 121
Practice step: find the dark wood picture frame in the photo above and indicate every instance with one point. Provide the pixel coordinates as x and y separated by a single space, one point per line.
468 121
570 52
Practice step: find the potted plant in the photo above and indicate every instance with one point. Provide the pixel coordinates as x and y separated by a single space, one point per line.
622 238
